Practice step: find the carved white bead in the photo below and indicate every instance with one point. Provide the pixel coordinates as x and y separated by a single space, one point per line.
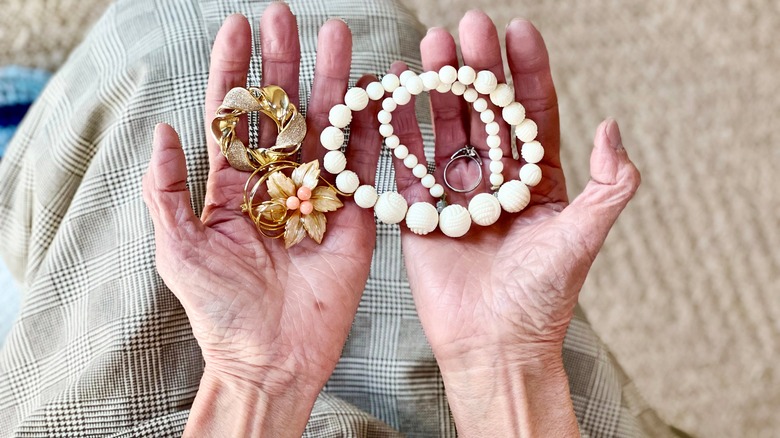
356 99
437 190
480 104
484 209
389 104
496 154
390 208
332 138
392 142
404 77
454 220
458 88
410 161
340 116
526 131
487 116
347 181
532 152
420 170
493 141
415 85
514 196
496 166
430 80
530 174
334 162
448 74
496 179
422 218
502 96
514 113
470 95
485 82
365 196
390 82
384 117
428 181
375 90
492 128
466 75
402 96
401 152
386 130
444 88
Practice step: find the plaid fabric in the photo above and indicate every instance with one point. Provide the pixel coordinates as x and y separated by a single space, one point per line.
101 346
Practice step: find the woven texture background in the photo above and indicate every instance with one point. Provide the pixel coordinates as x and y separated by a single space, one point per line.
685 289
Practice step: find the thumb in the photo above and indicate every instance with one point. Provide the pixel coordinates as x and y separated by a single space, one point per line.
614 180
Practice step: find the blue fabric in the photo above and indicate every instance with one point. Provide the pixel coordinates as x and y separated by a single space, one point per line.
19 86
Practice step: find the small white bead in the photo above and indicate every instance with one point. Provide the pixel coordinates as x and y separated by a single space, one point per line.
480 104
389 104
457 88
392 142
492 128
356 99
502 96
444 88
384 117
454 220
340 116
402 96
428 181
532 152
391 208
496 166
415 85
332 138
386 130
514 196
334 162
401 152
404 77
470 95
410 161
420 170
530 174
496 154
375 90
390 82
496 179
422 218
485 82
365 196
484 209
487 116
430 80
347 181
437 191
448 74
493 141
466 75
514 113
526 131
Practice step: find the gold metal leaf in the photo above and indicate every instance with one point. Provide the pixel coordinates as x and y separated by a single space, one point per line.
237 156
307 174
280 186
325 199
294 230
293 133
242 99
314 224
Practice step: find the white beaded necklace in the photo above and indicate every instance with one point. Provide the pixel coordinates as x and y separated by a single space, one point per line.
422 217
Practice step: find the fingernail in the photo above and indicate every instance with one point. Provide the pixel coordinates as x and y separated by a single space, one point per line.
613 134
518 21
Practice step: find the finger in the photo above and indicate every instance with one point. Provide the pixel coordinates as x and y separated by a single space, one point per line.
331 75
365 142
614 180
281 57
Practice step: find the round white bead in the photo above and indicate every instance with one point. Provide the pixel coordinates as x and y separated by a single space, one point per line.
532 152
484 209
514 113
496 166
493 141
430 80
404 77
410 161
480 104
444 88
402 96
502 96
365 196
392 142
454 220
457 88
492 128
347 181
390 208
466 75
496 154
390 82
428 181
414 85
514 196
386 130
422 218
401 152
526 131
496 179
448 74
389 104
485 82
437 190
384 117
340 116
334 162
530 174
332 138
420 170
487 116
470 95
375 90
356 99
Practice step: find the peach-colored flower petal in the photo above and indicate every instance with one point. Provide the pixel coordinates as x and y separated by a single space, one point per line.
307 175
280 186
314 224
294 230
325 199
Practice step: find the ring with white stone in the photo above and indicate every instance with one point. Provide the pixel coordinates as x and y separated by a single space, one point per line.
469 153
